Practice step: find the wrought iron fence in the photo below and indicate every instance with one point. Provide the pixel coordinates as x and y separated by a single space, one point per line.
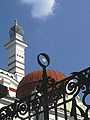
53 98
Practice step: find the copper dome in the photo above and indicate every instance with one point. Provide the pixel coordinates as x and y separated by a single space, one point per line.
29 82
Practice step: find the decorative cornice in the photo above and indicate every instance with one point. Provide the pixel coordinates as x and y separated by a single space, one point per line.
11 42
15 67
12 56
15 62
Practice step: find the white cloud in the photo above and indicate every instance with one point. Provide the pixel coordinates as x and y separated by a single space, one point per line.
40 8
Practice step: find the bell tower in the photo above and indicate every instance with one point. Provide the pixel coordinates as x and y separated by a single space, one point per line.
16 51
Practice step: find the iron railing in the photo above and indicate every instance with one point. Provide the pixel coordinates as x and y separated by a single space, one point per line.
57 98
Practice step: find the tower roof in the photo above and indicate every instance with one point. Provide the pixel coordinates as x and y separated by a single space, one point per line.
16 28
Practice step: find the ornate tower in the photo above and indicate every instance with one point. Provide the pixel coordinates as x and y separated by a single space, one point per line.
16 49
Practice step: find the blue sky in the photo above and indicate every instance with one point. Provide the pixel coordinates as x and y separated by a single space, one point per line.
63 34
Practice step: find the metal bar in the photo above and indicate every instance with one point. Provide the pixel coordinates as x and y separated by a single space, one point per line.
73 111
65 110
29 111
45 91
56 115
37 116
75 115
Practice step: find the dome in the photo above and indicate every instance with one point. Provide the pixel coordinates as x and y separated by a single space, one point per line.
30 81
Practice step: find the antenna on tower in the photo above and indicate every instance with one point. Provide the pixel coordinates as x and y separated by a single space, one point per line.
15 22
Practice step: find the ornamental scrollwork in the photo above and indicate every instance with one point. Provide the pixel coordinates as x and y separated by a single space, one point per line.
70 89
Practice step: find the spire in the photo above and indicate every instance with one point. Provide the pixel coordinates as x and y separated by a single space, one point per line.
16 28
